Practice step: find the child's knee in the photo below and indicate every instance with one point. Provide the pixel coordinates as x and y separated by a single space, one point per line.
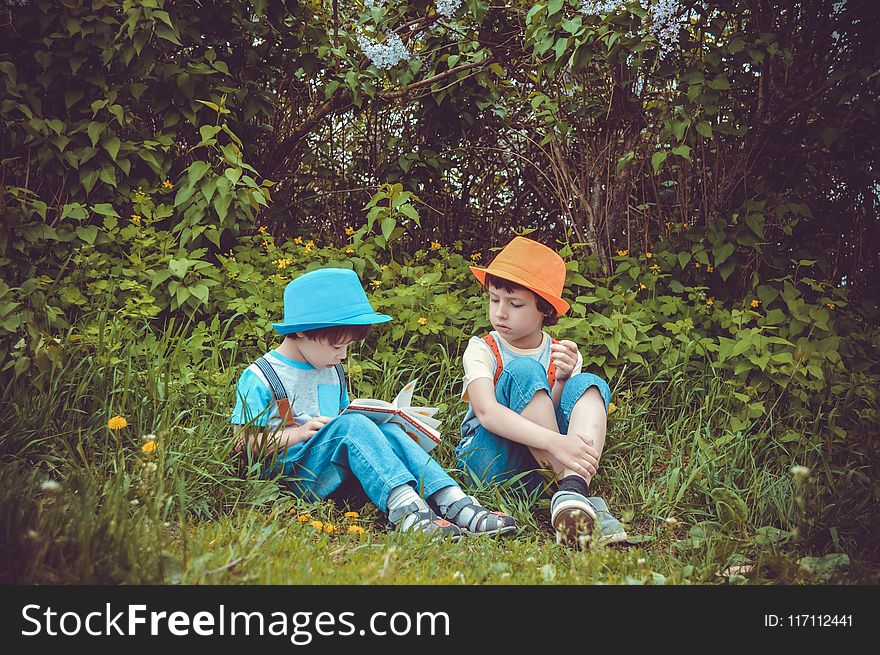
355 425
525 367
586 387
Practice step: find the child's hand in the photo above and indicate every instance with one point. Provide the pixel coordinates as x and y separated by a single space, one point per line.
577 453
308 429
565 355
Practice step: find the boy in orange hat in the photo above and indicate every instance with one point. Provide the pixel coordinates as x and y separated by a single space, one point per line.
530 404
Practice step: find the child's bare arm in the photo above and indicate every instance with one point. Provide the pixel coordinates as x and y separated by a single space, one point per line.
270 443
577 454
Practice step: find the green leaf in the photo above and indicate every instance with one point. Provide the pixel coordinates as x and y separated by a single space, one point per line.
704 129
111 145
94 131
722 252
682 151
178 267
657 160
200 291
87 234
105 209
554 6
197 171
387 225
167 33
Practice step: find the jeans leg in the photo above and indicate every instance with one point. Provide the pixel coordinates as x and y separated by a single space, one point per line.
576 387
491 458
349 445
428 473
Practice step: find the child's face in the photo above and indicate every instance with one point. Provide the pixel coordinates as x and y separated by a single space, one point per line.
515 315
323 355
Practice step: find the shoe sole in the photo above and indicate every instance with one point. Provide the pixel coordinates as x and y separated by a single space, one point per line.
613 539
573 522
505 530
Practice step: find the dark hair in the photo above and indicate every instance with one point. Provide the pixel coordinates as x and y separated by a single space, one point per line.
336 333
551 316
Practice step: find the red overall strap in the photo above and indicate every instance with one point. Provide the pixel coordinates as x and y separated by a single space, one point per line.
499 364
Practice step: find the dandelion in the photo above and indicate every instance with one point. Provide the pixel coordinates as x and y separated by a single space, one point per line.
709 268
355 529
423 321
435 245
167 184
612 408
622 253
349 251
50 487
800 472
302 518
648 255
318 525
756 303
710 301
149 446
328 528
655 268
135 218
298 240
351 515
117 423
349 230
376 283
476 257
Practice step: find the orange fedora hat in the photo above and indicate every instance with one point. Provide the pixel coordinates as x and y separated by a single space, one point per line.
533 265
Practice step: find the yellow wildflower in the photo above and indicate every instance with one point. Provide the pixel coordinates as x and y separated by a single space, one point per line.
117 423
756 303
318 525
435 245
292 510
710 301
612 408
648 255
310 244
622 253
697 264
384 266
355 529
302 518
476 257
149 446
349 251
261 229
284 263
135 218
309 247
655 268
167 184
328 528
376 283
349 230
642 285
298 240
709 268
423 321
351 515
831 305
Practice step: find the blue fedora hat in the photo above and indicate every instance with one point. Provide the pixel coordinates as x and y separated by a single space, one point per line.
326 297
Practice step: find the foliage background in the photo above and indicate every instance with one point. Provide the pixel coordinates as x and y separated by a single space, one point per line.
168 167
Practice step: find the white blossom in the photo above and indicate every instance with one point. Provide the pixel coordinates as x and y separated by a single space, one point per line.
596 7
448 7
665 23
374 4
384 55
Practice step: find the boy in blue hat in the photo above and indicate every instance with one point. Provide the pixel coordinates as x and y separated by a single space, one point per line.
294 394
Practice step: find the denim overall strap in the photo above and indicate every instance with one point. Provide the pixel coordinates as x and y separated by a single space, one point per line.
492 342
278 390
342 384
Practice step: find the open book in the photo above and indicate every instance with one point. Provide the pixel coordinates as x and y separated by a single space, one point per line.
418 422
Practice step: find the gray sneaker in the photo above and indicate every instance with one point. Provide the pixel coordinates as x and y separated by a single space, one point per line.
573 518
608 529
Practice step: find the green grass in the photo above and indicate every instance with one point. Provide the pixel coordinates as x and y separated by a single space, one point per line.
697 498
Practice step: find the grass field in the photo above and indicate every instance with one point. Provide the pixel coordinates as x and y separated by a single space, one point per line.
83 503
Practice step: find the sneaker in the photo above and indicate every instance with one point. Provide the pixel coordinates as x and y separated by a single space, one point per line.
608 529
423 520
573 518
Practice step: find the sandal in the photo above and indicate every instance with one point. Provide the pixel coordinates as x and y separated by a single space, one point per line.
483 521
425 521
